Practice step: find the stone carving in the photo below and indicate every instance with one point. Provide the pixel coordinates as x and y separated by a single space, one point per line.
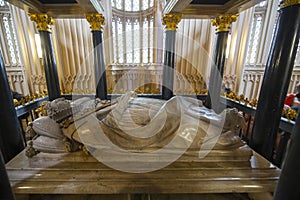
45 126
45 133
135 124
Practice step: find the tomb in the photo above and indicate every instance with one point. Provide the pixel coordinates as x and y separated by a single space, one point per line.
164 156
219 166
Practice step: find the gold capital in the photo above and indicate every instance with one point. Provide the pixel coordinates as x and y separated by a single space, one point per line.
96 21
171 21
286 3
43 21
223 22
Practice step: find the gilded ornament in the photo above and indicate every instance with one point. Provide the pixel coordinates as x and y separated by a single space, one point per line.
286 3
291 114
43 21
42 111
16 102
253 102
156 91
246 102
204 92
28 98
22 101
223 22
138 91
171 21
96 21
242 97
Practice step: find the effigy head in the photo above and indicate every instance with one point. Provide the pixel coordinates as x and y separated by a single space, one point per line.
56 107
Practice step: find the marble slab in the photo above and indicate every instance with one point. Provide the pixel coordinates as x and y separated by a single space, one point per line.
80 174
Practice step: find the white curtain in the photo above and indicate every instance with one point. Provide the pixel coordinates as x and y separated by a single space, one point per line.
25 30
194 42
237 50
74 50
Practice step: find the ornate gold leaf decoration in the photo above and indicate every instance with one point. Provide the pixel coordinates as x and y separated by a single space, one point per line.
29 99
223 22
171 21
43 21
241 99
291 114
286 3
96 21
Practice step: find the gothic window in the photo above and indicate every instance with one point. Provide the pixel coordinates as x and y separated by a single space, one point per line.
133 31
256 33
9 40
2 3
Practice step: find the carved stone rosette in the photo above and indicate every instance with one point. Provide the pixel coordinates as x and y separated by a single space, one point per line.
171 21
96 21
286 3
223 22
43 21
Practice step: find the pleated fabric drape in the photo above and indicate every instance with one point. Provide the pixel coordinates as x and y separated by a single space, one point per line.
194 49
194 42
237 50
75 59
26 30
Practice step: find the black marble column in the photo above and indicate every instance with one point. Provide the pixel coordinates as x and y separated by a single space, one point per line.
44 23
223 25
49 63
6 191
97 21
288 186
170 21
216 72
99 64
11 140
276 80
169 64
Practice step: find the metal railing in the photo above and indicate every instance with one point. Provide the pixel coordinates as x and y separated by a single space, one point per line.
284 130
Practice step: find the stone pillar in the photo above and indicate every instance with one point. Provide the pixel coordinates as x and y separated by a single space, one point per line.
223 24
44 22
11 139
97 21
171 21
276 79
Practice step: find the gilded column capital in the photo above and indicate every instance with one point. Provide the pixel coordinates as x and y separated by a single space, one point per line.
171 21
96 21
223 22
43 21
286 3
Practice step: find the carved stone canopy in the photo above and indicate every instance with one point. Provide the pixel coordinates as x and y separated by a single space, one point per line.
60 8
208 9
